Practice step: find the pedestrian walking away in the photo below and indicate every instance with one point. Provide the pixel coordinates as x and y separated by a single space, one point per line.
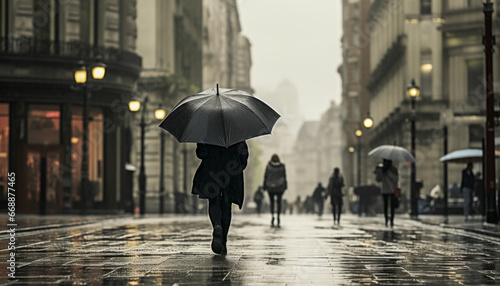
318 196
334 190
388 175
275 184
219 178
258 197
467 188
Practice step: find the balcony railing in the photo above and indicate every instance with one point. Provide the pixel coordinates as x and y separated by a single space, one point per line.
73 49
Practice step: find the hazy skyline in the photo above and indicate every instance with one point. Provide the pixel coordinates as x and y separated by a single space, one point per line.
299 41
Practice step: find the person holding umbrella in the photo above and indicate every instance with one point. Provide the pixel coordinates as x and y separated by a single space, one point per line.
220 122
219 178
388 175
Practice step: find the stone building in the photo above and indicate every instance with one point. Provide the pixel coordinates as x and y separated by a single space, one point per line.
302 172
224 51
355 94
330 144
439 45
170 42
41 117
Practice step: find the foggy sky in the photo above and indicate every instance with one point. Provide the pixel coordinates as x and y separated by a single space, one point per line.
298 40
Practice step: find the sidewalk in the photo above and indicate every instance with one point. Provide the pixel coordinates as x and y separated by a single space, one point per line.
30 222
476 224
37 222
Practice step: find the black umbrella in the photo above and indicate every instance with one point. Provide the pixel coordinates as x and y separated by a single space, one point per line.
220 117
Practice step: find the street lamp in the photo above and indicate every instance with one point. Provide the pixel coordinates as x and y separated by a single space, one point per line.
160 113
358 134
80 75
413 92
368 121
134 106
489 154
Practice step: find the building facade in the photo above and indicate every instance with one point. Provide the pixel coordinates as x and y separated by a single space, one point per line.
439 45
41 113
355 94
170 42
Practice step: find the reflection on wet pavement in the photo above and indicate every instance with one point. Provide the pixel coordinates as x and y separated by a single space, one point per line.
165 251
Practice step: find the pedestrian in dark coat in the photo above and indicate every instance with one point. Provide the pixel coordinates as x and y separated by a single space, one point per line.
467 188
219 178
334 190
388 175
258 197
318 198
275 184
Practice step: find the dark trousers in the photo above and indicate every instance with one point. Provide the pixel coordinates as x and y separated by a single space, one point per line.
278 202
219 210
320 207
388 203
259 207
336 210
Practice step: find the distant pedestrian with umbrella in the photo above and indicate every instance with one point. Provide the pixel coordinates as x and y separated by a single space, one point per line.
388 175
318 198
275 184
467 188
334 190
220 121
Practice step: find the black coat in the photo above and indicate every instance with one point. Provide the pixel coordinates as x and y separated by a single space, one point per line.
275 178
221 170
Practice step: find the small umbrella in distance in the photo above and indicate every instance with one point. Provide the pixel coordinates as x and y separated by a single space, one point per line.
465 156
220 117
392 152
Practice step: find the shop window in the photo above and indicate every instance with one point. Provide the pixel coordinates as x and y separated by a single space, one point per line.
4 149
44 124
95 154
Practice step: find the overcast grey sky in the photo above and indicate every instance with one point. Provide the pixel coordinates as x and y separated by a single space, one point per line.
298 40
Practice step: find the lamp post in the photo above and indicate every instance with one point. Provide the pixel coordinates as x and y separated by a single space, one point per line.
80 74
159 115
358 134
134 106
489 155
352 150
413 91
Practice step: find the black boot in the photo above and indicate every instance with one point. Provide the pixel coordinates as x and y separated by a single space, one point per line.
272 222
217 239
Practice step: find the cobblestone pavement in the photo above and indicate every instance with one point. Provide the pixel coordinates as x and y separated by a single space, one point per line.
305 250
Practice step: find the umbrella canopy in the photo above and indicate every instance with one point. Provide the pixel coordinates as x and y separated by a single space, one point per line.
220 117
465 156
392 152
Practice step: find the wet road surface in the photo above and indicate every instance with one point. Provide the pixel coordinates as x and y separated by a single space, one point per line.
305 250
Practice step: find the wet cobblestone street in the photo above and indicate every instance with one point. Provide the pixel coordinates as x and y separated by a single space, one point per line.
306 250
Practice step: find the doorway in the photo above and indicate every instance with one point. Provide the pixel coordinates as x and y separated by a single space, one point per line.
41 190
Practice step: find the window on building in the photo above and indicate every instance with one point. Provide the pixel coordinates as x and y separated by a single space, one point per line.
426 78
4 149
475 3
476 135
44 124
475 79
355 72
425 7
95 155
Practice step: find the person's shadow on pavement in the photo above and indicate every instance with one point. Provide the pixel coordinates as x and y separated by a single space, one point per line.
220 271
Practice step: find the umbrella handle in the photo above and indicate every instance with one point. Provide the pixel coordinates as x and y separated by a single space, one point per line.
217 88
